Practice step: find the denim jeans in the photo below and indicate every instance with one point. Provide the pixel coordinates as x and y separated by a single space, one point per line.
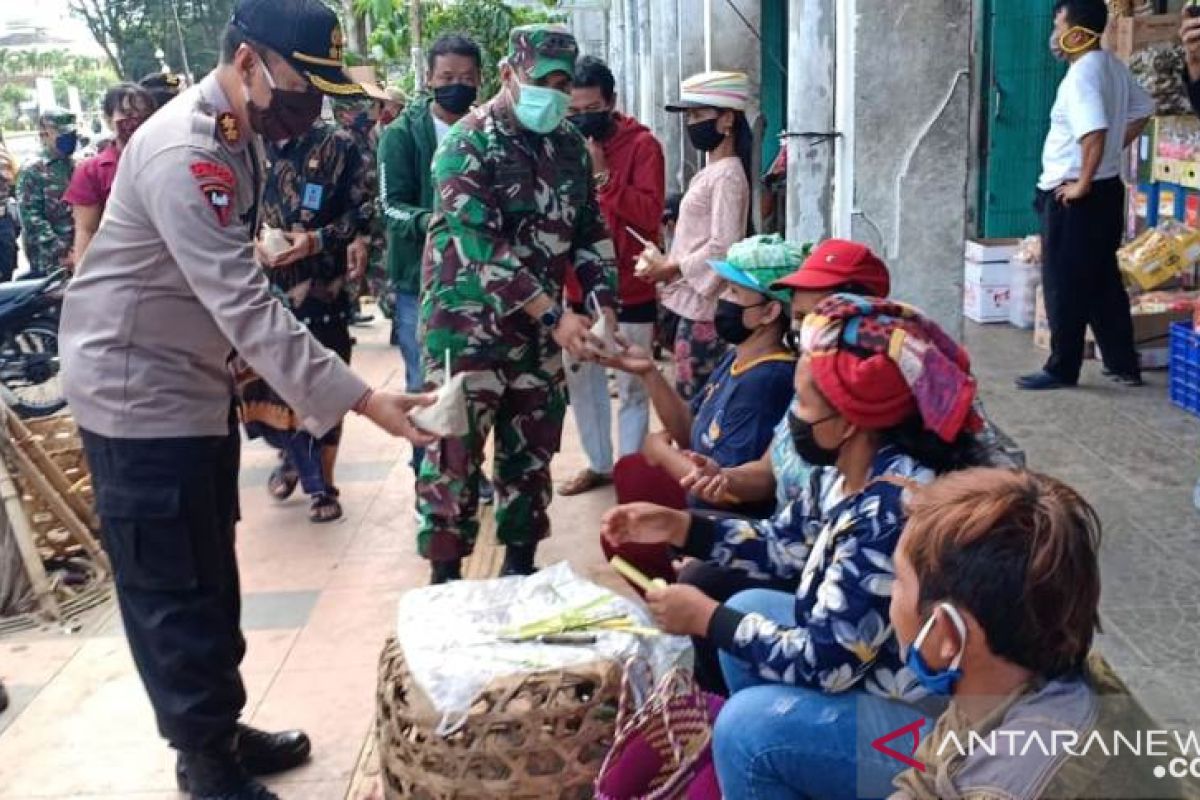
774 740
588 385
404 336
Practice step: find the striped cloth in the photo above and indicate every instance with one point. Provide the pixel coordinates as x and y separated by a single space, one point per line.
879 361
714 90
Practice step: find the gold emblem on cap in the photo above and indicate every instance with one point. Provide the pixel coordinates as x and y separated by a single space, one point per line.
337 43
230 130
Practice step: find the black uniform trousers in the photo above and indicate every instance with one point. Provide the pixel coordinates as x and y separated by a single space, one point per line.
168 510
1081 282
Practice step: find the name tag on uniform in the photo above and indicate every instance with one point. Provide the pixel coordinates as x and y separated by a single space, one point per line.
312 196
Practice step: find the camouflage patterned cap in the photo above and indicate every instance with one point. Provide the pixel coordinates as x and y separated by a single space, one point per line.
538 50
60 120
759 261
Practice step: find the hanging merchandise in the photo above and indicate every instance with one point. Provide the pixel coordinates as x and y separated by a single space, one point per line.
1160 70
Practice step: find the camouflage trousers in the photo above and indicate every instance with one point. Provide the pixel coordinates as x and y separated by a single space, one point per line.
524 400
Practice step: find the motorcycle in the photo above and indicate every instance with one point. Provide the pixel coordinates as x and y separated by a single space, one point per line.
29 310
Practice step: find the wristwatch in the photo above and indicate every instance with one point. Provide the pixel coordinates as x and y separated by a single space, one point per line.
551 317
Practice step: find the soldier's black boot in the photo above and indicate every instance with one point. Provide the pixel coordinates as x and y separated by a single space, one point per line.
518 560
3 698
446 571
257 753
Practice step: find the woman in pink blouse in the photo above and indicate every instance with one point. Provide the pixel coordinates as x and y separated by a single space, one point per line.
713 215
126 106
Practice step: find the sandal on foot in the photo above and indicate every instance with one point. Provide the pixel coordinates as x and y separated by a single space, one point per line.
325 508
281 483
584 481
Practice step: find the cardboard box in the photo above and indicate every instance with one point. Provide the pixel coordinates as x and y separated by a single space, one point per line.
1127 35
994 273
1041 330
983 303
1168 170
986 251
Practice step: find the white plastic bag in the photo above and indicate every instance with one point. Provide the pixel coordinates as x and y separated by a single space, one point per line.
450 635
273 241
446 418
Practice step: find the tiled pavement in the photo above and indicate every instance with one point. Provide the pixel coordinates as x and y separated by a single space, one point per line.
319 600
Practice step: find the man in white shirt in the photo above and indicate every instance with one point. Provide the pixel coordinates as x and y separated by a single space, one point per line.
1098 112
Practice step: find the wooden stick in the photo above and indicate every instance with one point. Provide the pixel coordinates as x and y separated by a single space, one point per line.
23 534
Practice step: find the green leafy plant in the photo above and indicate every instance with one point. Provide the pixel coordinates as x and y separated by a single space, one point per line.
486 21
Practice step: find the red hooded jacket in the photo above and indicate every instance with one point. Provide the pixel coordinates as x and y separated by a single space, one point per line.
634 196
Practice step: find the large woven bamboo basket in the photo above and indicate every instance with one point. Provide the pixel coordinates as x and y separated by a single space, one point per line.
538 735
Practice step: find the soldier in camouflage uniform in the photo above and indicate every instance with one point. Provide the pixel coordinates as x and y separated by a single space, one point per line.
47 221
515 209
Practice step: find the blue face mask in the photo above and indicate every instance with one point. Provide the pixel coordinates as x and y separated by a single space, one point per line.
540 109
938 682
66 143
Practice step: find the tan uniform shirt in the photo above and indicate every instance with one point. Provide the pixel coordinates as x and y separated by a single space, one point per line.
169 287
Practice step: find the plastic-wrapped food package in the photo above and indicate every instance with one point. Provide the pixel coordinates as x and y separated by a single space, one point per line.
1025 277
447 417
452 634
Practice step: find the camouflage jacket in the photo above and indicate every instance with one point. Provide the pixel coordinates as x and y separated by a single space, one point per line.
513 211
315 183
46 219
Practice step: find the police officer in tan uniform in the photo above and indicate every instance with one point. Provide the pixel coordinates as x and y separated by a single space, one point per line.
167 291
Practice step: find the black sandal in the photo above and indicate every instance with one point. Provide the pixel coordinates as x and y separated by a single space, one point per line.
325 508
281 483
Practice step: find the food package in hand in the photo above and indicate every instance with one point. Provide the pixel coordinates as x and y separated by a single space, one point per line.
607 336
274 241
447 417
643 265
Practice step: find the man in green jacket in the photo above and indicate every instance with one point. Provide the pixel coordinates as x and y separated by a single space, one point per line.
455 71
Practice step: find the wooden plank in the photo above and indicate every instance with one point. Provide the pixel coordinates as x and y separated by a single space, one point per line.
26 546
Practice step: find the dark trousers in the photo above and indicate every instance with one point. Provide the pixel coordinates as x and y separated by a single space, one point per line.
168 509
1082 283
8 246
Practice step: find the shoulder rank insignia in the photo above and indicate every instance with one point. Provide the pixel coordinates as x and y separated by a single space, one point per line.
229 128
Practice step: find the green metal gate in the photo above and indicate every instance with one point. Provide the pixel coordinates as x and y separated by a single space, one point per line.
1019 82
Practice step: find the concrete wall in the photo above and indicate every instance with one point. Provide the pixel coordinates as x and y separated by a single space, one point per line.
912 142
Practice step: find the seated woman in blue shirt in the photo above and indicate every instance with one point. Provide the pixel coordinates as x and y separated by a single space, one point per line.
883 402
733 417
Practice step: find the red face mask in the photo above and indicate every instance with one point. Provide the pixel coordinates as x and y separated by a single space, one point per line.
126 127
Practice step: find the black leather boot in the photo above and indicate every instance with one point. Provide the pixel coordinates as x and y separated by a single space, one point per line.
3 698
217 775
518 560
257 753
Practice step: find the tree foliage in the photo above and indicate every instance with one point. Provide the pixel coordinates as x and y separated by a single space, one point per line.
486 21
20 68
130 31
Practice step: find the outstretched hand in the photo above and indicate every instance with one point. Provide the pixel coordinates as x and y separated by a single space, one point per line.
390 410
645 523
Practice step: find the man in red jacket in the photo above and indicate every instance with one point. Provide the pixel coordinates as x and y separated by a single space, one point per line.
631 184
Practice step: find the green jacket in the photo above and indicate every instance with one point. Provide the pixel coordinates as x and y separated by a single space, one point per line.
406 191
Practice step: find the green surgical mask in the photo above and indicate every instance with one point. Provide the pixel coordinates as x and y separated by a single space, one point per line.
540 109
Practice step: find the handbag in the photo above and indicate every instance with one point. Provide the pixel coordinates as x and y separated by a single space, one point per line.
664 749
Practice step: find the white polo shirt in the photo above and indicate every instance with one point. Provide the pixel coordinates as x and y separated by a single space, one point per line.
1098 93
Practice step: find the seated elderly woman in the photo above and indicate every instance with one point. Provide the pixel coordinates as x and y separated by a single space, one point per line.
996 601
883 403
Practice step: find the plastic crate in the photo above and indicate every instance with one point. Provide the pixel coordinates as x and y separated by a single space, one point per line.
1185 367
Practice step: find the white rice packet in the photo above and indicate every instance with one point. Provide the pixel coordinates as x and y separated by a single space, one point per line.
447 417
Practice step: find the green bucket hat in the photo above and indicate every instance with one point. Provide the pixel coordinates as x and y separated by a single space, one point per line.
538 50
759 261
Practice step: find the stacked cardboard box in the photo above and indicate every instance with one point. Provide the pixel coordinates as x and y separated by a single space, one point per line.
987 275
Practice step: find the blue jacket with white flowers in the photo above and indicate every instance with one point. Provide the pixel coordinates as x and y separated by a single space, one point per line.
840 547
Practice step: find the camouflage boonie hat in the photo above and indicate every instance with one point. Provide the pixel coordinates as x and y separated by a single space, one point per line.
759 261
538 50
58 119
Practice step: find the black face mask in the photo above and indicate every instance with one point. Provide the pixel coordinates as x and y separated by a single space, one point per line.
593 124
289 115
805 443
729 321
704 135
456 97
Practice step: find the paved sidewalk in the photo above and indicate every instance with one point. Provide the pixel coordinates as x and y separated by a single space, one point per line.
319 600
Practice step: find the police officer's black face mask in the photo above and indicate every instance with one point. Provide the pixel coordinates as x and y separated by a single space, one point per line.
289 114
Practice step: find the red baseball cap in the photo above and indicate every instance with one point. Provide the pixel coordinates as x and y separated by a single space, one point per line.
838 262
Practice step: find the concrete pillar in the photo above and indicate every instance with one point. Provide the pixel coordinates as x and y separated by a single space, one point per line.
913 147
691 61
647 83
665 26
811 32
